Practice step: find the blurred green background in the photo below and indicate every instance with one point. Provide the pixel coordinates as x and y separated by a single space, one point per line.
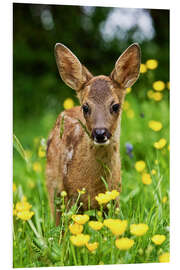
96 35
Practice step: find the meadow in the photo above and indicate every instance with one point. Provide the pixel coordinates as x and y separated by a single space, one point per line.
135 232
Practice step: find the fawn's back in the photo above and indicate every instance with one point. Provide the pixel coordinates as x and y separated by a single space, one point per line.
83 146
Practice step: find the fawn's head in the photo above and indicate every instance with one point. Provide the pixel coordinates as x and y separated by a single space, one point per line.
101 97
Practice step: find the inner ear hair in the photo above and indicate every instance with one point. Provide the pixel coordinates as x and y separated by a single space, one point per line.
127 67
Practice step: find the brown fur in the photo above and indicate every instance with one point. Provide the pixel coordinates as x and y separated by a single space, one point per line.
73 161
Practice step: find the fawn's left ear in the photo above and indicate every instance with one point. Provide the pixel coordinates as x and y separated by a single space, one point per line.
127 67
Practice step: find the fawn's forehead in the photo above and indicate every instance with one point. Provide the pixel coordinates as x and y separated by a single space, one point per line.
100 90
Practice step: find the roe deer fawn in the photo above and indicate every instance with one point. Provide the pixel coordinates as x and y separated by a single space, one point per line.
73 158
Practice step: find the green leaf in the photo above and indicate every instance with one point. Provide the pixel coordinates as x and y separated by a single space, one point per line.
85 128
61 128
18 146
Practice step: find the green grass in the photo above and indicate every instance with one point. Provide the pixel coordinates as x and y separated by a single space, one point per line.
38 242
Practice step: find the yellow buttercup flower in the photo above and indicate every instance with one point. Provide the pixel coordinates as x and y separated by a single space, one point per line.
128 90
160 144
153 172
130 113
157 96
126 105
79 239
143 68
159 85
23 206
80 219
138 229
41 152
14 187
150 93
68 103
165 257
168 85
164 199
140 165
92 246
25 215
158 239
146 179
103 198
112 194
76 228
155 125
151 64
116 226
37 167
124 243
95 225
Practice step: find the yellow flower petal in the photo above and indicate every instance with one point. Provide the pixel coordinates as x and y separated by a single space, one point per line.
95 225
128 90
165 257
41 152
140 165
138 229
160 144
158 239
150 94
116 226
23 206
159 85
151 64
124 243
25 215
92 246
143 68
80 219
37 167
103 198
79 239
155 125
130 113
153 172
126 105
146 179
14 187
157 96
76 228
164 199
68 103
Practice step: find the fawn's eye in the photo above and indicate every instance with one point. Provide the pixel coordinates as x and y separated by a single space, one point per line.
85 108
115 108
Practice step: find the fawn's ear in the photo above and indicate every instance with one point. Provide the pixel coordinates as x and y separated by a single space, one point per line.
127 67
72 72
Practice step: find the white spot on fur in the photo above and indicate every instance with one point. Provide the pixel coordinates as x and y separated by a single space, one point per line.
77 130
68 155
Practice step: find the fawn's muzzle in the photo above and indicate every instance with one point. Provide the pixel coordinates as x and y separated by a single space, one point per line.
101 135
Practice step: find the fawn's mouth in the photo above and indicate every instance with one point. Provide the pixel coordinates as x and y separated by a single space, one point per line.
97 143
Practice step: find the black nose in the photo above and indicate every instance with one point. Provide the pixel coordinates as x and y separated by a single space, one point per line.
100 134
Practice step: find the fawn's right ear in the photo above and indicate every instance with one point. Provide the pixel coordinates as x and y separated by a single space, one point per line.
72 72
